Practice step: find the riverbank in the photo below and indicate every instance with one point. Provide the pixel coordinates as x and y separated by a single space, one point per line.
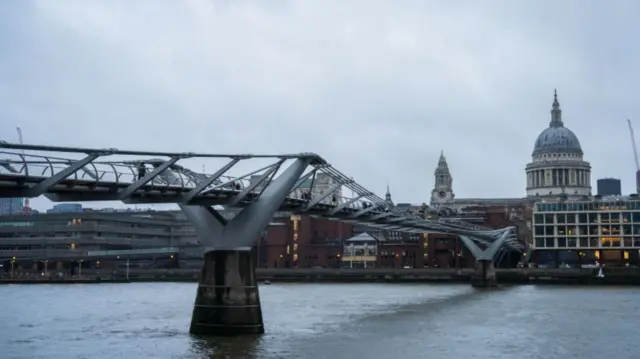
612 276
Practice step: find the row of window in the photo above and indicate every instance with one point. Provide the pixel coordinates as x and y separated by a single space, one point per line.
588 242
561 218
613 205
77 221
360 252
582 230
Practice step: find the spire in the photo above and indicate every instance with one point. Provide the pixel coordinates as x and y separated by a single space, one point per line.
387 197
556 112
443 167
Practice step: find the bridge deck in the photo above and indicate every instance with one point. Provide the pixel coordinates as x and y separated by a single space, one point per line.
165 181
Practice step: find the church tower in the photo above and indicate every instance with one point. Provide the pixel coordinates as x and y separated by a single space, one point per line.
387 198
442 193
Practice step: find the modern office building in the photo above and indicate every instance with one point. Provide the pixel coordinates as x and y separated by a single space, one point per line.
66 208
62 238
575 233
10 206
57 240
609 187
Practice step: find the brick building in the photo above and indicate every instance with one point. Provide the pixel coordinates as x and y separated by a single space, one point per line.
302 241
448 251
305 242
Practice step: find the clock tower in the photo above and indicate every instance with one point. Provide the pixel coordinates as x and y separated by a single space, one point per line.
442 194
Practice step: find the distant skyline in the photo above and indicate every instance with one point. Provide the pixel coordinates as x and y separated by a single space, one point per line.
378 88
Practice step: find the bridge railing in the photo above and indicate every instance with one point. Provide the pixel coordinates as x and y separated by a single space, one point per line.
32 165
37 166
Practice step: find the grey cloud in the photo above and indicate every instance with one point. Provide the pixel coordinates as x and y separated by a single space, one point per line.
376 87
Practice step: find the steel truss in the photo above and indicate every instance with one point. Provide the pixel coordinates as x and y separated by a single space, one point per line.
85 174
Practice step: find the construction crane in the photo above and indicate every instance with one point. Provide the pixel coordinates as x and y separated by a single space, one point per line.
635 155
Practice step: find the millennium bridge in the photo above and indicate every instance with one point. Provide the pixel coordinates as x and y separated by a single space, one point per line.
227 299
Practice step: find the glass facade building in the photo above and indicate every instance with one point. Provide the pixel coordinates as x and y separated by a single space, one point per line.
609 187
9 206
581 232
66 208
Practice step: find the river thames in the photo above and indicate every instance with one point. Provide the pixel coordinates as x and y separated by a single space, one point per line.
151 320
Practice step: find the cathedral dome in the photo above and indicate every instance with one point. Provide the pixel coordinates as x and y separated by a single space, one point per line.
557 138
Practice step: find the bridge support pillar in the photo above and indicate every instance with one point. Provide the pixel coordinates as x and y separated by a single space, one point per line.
485 274
227 302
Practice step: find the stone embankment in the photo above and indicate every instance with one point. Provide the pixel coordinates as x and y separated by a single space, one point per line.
617 276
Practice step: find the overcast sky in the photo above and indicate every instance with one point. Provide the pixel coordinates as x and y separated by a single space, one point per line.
377 88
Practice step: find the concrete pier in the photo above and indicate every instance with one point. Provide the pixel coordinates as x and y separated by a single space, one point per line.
485 274
227 302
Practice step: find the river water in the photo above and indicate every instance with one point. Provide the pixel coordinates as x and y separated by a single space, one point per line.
333 321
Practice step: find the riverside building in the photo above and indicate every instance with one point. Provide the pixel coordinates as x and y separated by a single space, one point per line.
578 233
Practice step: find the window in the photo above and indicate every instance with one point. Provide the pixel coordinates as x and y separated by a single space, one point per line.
615 217
538 219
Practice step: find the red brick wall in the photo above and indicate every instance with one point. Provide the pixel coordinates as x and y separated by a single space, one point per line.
319 243
399 255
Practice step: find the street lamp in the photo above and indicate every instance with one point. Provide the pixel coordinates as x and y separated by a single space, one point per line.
13 260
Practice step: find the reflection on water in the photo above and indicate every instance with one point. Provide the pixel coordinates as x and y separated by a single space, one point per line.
150 320
238 347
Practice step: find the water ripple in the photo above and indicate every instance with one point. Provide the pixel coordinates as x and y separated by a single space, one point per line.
314 321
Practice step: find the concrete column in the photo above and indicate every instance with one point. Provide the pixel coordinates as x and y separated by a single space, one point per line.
227 302
485 274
